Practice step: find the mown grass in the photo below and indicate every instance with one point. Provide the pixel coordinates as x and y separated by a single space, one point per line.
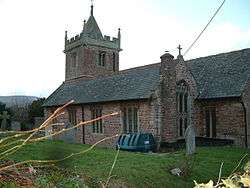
137 169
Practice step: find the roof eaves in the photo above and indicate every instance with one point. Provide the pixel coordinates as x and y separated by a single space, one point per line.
51 95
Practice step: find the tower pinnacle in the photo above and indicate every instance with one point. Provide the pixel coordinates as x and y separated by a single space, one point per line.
119 37
84 23
119 33
66 35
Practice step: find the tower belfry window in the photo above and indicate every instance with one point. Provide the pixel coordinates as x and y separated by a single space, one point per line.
101 59
73 59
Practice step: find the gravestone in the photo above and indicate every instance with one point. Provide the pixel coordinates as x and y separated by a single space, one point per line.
4 118
190 140
15 126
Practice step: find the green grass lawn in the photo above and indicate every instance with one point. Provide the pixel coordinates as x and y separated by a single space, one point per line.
137 169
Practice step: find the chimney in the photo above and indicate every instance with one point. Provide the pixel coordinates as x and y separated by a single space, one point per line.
167 62
168 96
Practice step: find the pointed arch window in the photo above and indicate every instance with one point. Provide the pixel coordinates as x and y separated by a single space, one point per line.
182 97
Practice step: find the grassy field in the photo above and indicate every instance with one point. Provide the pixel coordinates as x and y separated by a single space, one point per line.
137 169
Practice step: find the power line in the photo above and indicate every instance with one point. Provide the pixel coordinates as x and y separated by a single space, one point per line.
204 28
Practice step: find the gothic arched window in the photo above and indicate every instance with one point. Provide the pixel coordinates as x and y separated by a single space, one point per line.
182 95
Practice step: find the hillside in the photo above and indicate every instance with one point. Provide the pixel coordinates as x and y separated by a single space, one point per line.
17 100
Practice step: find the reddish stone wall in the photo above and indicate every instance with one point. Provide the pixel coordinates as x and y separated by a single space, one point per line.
229 120
198 119
246 102
112 125
229 113
87 62
168 98
64 119
175 72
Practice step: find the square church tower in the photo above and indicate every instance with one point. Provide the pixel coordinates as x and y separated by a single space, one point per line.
90 54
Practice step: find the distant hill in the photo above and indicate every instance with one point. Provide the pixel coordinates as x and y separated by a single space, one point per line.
17 100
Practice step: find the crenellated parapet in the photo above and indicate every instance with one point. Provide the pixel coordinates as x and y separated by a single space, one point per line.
82 39
92 35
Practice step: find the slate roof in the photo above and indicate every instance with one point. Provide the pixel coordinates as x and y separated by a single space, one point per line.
137 83
222 75
217 76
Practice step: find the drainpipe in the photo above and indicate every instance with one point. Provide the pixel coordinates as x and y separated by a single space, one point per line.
245 121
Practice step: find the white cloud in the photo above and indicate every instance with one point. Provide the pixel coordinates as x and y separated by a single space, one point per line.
32 38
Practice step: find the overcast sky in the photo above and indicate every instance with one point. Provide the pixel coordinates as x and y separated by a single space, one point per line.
32 34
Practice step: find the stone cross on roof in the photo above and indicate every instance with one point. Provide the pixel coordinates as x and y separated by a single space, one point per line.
4 118
179 48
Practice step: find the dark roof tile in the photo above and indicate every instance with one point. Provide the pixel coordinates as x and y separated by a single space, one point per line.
217 76
221 75
127 85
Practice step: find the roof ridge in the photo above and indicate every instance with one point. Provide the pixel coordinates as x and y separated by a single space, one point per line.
83 78
143 66
125 71
209 56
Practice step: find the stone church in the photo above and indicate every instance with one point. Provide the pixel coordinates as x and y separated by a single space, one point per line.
211 93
